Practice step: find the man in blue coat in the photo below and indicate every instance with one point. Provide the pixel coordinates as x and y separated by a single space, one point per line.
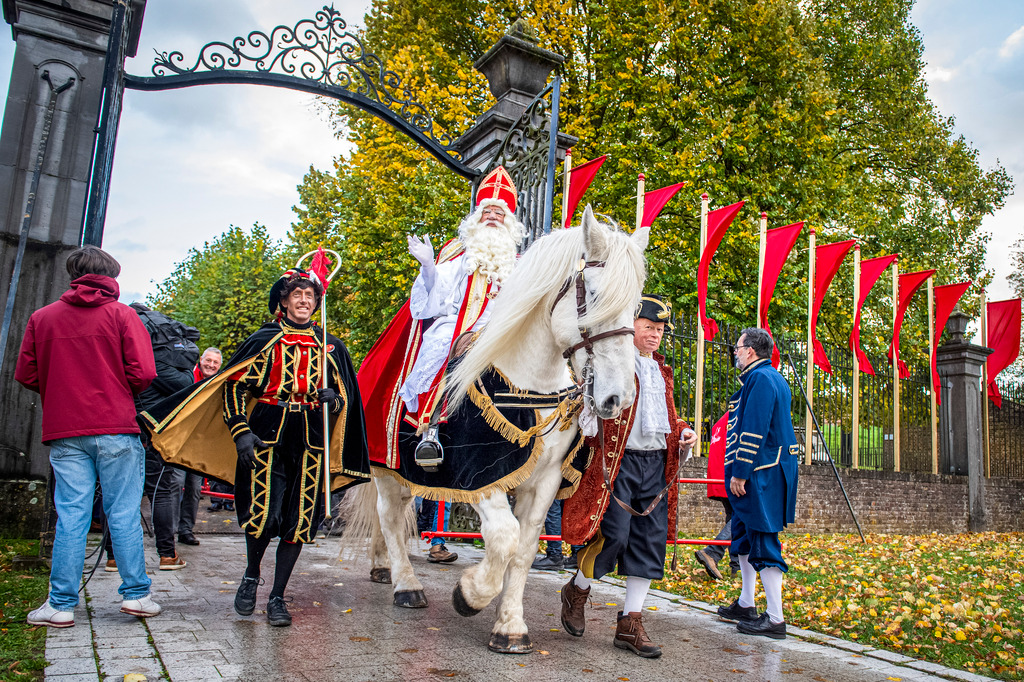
761 458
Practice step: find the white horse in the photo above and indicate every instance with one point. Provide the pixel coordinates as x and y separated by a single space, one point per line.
535 319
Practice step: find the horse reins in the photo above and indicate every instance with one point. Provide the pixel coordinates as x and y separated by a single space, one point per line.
588 340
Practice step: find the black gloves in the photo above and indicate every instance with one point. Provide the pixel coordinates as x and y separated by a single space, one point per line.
245 446
329 397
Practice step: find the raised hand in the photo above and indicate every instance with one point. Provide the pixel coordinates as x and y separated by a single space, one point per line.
421 250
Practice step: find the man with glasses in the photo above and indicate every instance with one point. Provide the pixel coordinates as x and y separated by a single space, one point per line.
761 476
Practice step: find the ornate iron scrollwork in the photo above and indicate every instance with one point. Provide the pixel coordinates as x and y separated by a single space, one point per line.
319 55
528 154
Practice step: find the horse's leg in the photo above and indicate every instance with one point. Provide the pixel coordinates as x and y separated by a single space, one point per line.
481 583
510 634
380 563
392 504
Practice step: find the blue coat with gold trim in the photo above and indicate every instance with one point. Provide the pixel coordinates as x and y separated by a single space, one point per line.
761 448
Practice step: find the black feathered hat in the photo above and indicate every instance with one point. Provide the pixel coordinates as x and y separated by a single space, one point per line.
654 308
289 275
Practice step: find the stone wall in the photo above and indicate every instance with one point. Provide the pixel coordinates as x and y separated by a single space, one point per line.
885 502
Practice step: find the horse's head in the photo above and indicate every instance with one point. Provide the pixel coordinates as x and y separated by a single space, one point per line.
592 316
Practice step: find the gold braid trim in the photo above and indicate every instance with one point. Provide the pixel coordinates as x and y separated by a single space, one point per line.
503 485
513 434
570 474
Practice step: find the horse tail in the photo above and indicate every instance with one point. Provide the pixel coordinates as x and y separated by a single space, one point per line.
362 522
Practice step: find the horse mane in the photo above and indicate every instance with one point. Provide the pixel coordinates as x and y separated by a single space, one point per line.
528 294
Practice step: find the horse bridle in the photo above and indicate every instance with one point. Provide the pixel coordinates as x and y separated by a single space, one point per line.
587 339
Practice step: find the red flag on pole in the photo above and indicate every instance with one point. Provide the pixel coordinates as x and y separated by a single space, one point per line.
827 260
580 178
321 266
946 298
654 201
1004 340
778 243
870 270
719 221
910 282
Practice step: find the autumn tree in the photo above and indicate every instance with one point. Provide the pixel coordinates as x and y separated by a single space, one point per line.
221 287
813 110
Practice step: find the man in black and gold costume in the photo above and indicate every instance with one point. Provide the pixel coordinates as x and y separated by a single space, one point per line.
271 402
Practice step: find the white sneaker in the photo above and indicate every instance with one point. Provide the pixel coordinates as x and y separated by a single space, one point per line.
141 607
47 615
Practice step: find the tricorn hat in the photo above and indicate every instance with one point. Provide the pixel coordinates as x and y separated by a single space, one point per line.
654 308
497 187
292 273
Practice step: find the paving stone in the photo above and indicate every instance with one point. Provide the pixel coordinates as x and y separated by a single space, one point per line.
890 656
54 654
72 666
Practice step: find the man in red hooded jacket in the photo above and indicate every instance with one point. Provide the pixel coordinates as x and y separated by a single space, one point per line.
87 356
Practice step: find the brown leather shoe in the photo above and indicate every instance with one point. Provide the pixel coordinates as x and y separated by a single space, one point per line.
574 600
439 554
111 566
630 634
171 563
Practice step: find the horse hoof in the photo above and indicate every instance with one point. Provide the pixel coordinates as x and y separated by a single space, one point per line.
515 644
462 607
411 599
380 575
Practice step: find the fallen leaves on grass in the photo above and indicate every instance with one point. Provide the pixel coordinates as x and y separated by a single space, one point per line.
957 600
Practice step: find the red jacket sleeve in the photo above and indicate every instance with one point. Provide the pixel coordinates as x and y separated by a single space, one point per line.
27 370
137 352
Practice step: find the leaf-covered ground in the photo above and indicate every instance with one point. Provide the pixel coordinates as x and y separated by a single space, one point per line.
22 646
957 600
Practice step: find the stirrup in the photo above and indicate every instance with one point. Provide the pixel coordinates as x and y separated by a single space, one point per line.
429 454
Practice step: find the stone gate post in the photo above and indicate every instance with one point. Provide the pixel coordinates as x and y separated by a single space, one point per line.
66 39
959 363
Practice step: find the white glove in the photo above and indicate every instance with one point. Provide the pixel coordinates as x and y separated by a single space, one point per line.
424 253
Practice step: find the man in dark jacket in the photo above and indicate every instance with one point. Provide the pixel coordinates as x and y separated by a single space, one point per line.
761 472
163 483
87 356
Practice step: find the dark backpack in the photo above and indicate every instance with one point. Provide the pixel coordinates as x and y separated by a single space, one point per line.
174 343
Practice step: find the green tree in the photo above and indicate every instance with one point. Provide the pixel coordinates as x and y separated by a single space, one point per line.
813 111
221 288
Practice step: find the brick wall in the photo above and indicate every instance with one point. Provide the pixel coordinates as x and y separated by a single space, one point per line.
885 502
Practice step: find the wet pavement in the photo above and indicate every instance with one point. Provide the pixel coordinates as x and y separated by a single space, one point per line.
346 628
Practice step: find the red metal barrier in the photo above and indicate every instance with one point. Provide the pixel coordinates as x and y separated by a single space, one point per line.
205 490
440 532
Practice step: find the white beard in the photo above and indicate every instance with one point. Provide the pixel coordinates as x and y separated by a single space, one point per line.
489 250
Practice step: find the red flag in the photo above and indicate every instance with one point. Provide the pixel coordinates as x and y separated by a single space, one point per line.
1004 340
946 298
580 178
654 201
910 282
321 266
778 243
827 260
870 270
719 221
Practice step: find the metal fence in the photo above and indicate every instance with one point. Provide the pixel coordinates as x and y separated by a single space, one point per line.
1006 433
832 398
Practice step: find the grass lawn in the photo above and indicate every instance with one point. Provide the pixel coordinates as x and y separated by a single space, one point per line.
22 654
956 600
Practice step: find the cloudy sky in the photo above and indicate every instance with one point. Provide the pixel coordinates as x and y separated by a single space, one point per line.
192 162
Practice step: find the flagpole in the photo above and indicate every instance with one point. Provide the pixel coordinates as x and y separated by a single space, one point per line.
324 410
808 420
699 402
895 370
565 186
639 200
762 243
984 382
855 446
931 379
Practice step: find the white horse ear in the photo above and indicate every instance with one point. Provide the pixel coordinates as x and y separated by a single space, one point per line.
595 238
641 237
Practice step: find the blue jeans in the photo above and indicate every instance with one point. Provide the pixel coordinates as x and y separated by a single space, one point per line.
117 460
426 518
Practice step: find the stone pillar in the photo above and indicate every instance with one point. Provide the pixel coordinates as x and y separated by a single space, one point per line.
68 40
959 363
517 69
